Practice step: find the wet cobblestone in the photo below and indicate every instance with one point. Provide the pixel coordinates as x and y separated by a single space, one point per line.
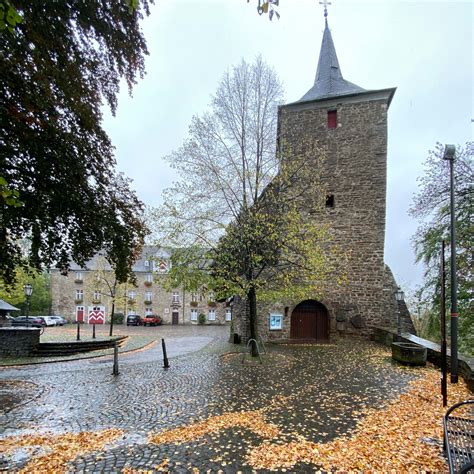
312 391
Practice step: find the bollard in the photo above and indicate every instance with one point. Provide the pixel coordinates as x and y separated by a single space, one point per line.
93 331
78 336
165 357
116 367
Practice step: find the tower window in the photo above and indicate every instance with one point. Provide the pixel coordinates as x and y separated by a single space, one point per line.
330 200
332 118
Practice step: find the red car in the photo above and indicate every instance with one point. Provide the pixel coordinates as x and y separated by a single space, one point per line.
152 320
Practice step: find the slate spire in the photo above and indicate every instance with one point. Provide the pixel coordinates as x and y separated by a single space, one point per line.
329 81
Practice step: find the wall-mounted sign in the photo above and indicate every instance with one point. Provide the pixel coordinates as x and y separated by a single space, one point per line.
167 311
276 322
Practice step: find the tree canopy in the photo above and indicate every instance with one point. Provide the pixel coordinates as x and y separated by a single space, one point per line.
432 206
57 68
242 209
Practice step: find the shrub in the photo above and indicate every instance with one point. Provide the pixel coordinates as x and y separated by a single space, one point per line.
119 318
201 318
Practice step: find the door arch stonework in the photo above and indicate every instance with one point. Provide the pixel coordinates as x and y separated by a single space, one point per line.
310 321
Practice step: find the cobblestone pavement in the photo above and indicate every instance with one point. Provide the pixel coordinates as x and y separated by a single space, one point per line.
312 391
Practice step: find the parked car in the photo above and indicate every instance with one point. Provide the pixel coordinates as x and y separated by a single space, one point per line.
152 320
48 320
60 321
32 321
134 320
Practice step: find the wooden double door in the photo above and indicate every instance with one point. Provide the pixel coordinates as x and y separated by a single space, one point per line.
310 321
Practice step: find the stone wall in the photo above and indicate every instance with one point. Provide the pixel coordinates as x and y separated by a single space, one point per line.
18 342
354 173
63 291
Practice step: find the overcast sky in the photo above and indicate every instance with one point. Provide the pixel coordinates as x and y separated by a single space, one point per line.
425 49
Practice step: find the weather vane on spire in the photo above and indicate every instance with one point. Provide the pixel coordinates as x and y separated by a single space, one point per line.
325 3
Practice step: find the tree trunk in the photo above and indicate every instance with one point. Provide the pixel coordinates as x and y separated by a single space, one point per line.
252 301
112 318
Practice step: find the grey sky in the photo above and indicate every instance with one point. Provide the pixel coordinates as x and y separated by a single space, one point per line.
425 49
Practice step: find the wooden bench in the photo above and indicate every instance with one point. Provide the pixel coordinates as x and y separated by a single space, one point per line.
458 423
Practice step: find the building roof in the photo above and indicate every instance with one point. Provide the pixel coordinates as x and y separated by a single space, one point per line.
329 81
4 306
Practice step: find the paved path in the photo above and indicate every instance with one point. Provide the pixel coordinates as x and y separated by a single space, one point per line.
310 391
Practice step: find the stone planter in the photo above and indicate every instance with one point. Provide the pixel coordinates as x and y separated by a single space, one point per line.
408 353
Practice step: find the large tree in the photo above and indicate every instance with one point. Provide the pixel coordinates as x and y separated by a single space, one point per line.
244 207
57 68
432 206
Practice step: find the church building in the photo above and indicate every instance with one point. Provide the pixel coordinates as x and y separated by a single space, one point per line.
351 124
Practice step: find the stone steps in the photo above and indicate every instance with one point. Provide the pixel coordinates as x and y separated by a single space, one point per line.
48 349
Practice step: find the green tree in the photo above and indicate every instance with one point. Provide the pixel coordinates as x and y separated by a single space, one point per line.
57 67
40 301
104 286
431 206
238 209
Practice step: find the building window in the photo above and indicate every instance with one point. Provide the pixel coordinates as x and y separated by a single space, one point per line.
332 118
132 295
131 312
175 298
194 297
194 315
211 297
212 315
148 311
79 295
79 277
148 295
96 296
149 278
330 200
147 263
228 314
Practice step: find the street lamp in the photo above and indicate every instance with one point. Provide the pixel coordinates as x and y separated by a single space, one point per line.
28 289
399 296
449 151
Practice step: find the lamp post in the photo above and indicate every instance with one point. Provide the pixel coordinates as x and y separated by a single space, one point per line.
399 295
449 151
28 289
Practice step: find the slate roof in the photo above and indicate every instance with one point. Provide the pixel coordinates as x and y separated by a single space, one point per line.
329 81
4 306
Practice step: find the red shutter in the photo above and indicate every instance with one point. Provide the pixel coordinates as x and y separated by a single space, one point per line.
332 119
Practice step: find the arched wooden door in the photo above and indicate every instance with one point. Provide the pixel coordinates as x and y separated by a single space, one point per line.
310 320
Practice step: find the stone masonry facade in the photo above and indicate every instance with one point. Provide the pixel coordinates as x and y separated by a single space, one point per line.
78 289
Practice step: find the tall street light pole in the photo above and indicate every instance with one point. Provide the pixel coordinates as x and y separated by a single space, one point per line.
449 151
399 295
28 289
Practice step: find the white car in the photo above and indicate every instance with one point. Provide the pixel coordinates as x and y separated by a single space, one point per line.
49 321
60 321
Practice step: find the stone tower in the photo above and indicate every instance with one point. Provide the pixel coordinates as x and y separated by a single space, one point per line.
350 124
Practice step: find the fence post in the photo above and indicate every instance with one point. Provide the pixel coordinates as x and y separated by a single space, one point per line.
78 334
93 331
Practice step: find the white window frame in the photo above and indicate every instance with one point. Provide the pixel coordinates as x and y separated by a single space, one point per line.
211 297
149 277
194 297
97 295
80 295
148 311
79 276
147 263
228 314
132 295
148 295
211 315
175 297
194 315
